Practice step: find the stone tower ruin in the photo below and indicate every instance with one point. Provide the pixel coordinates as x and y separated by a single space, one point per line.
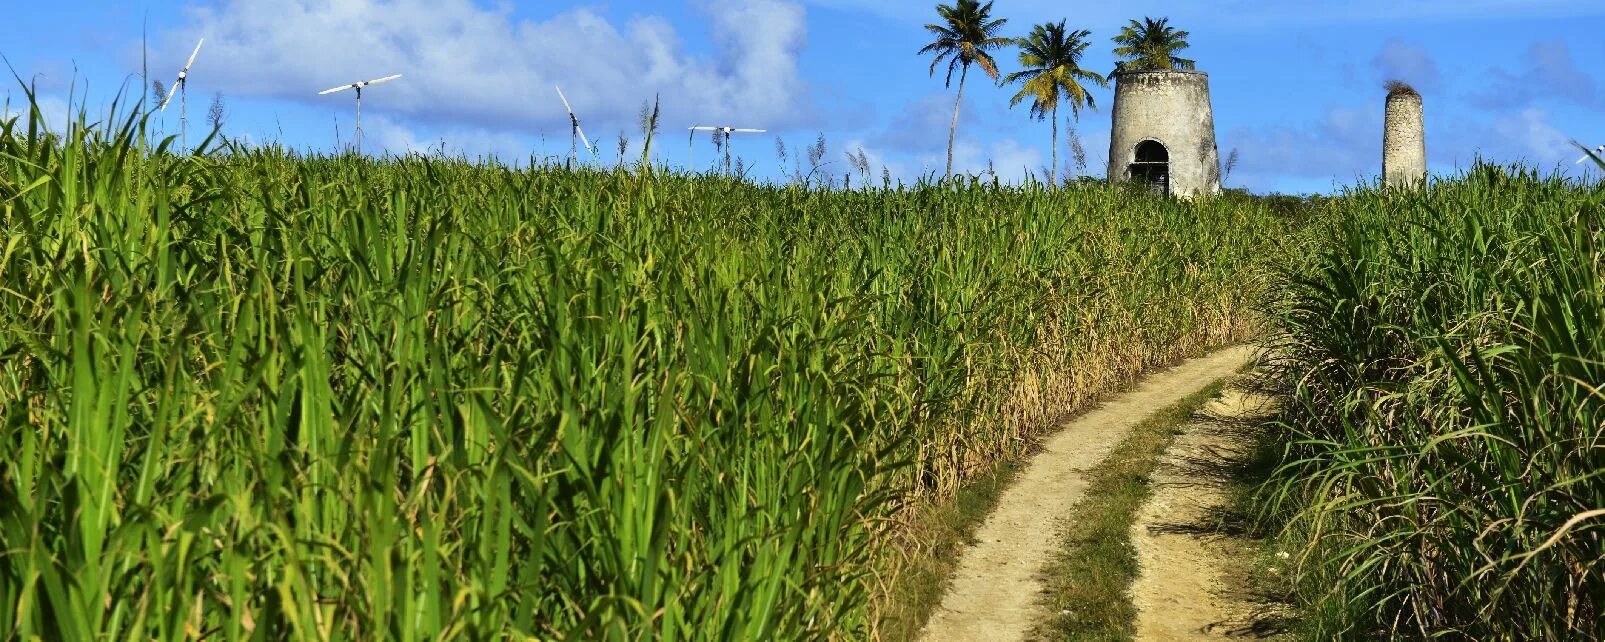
1163 132
1404 138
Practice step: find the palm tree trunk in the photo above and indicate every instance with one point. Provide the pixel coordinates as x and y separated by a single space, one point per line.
1055 177
953 131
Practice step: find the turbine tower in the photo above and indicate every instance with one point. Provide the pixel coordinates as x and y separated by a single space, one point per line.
183 97
724 131
575 134
358 86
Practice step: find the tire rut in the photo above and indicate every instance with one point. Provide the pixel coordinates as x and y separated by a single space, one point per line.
993 595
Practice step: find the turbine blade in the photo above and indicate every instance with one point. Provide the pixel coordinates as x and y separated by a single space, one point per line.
193 54
171 91
746 131
701 128
584 141
565 101
380 80
340 88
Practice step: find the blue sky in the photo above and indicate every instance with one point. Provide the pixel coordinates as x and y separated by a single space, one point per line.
1296 85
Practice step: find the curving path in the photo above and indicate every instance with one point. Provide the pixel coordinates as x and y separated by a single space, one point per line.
993 595
1191 587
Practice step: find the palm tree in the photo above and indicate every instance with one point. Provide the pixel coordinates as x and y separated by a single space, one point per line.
1150 44
966 37
1052 61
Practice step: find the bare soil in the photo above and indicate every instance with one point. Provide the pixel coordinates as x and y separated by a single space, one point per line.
1195 563
994 592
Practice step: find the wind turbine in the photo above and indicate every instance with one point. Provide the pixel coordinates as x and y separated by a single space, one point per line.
183 97
1598 151
574 130
719 131
358 86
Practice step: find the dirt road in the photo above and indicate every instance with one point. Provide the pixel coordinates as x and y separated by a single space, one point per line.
993 595
1191 586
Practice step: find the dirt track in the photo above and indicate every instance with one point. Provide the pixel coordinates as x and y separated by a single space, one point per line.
1191 586
993 595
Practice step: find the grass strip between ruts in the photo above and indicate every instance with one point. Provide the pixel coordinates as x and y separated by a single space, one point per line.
1087 582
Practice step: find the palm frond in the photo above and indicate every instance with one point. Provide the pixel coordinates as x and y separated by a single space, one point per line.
1149 45
987 64
968 32
939 58
1051 57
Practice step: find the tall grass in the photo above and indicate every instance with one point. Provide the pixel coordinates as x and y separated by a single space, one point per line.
246 394
1444 351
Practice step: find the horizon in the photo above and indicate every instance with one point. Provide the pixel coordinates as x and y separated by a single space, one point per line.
476 79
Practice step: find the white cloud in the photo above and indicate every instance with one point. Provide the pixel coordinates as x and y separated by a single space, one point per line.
923 123
1013 161
386 133
1530 137
1245 14
1344 146
53 110
1008 158
395 136
1399 60
913 143
1094 144
467 64
875 156
1548 72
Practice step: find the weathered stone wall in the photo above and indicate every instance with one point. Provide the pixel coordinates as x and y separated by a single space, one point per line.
1404 142
1173 108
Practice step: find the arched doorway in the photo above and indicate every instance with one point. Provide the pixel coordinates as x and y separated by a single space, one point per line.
1152 166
